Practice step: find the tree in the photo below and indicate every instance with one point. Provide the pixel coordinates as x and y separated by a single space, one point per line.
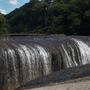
3 26
70 17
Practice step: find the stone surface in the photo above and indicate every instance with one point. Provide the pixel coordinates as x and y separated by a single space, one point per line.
81 85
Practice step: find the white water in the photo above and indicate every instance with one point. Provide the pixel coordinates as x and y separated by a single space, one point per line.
84 51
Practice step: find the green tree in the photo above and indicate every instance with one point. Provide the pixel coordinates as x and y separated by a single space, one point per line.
3 26
69 17
40 15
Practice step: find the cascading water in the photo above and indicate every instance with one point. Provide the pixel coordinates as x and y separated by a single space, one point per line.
25 60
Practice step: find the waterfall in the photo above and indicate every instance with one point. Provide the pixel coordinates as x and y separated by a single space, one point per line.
22 61
84 50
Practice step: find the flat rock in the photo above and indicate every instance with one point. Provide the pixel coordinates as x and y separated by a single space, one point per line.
81 85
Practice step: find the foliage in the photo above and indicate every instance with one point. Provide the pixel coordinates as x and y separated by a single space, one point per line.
3 26
70 17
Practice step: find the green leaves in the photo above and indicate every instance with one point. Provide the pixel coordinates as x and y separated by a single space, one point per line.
58 17
87 13
3 26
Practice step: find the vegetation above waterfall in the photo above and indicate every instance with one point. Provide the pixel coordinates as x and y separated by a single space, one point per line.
70 17
3 26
